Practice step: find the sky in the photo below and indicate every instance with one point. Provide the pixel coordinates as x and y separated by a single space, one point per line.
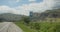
23 7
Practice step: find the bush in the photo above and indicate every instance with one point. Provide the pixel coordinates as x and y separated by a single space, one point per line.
58 27
46 26
26 20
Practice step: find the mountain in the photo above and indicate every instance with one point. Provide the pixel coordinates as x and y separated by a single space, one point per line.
55 13
11 17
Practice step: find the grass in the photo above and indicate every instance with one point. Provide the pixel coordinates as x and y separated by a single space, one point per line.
44 26
24 27
47 27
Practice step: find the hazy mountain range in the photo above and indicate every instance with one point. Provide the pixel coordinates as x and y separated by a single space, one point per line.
11 17
55 13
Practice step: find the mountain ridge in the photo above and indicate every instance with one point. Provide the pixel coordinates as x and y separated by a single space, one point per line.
11 17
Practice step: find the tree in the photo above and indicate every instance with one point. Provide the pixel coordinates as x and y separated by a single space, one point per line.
26 20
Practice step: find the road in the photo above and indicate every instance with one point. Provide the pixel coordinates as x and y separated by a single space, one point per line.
9 27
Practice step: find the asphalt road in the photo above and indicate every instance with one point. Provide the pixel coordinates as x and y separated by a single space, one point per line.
9 27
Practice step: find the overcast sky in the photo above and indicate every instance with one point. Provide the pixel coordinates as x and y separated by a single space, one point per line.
24 6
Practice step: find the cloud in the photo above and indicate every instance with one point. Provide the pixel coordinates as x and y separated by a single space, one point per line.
15 0
7 9
40 7
32 0
18 0
36 7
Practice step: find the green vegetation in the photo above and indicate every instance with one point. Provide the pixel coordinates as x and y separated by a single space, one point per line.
50 22
26 20
40 27
50 25
45 27
24 27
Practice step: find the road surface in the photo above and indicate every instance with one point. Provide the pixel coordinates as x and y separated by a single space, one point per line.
9 27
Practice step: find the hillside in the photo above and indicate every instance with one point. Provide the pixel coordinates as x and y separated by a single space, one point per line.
11 17
55 13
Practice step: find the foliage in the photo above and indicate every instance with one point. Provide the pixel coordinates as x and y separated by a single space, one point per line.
26 20
42 26
24 27
46 26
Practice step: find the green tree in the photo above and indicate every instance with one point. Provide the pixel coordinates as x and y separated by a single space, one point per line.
26 20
